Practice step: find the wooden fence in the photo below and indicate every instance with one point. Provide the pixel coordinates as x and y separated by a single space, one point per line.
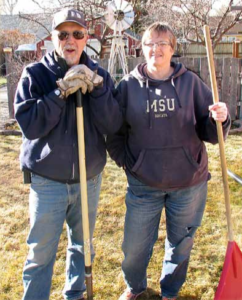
228 74
221 50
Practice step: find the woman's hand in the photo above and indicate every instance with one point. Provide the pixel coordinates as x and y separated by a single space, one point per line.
219 111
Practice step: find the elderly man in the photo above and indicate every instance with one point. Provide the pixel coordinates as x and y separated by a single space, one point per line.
45 110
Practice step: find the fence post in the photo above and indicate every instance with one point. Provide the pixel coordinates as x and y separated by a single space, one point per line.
240 92
236 49
10 86
43 50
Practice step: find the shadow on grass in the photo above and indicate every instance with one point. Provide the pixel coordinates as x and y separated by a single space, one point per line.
151 294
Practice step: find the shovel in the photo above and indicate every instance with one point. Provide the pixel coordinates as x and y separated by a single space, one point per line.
230 284
84 200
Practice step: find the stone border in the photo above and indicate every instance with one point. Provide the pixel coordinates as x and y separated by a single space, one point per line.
238 124
10 122
10 132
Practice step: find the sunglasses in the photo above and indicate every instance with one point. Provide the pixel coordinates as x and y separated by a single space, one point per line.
64 35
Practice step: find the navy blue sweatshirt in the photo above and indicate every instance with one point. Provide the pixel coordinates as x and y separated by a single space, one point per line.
161 142
48 123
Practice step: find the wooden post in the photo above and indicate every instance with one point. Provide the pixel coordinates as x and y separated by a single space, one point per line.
43 50
10 86
240 91
236 49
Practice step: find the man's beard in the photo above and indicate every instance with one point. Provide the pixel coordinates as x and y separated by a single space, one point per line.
71 61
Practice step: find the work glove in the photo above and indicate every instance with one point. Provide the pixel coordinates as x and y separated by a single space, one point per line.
84 73
71 86
79 77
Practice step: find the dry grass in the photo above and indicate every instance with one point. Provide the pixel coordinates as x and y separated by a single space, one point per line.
207 256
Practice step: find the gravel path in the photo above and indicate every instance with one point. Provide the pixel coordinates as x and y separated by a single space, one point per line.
4 114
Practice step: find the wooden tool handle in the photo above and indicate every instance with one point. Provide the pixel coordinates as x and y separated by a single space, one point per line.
84 197
219 130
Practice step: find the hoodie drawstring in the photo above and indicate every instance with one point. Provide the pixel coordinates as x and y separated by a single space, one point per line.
149 104
178 99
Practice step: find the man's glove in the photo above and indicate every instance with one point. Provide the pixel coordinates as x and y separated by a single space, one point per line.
84 73
71 86
79 77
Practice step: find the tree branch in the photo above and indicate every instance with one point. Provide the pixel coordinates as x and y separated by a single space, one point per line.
31 19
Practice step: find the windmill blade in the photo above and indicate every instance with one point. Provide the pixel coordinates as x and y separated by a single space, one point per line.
124 5
119 14
130 11
129 16
127 8
125 23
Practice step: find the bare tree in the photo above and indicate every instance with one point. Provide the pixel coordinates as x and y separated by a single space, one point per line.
94 11
12 39
7 6
187 17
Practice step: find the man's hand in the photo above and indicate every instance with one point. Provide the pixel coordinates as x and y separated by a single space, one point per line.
84 73
79 77
219 111
70 87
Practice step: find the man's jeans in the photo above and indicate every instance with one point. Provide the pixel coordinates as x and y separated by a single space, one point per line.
184 210
51 204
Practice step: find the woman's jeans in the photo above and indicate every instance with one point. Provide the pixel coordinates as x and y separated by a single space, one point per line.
184 210
51 204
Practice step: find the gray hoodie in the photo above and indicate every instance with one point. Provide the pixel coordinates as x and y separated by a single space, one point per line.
161 142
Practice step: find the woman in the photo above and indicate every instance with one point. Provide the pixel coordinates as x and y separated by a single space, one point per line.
169 114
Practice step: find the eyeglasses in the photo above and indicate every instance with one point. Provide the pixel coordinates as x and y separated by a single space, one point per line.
160 44
77 34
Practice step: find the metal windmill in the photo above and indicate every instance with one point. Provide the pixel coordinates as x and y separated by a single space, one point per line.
119 17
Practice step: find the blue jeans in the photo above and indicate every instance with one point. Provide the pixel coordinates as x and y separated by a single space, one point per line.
51 204
184 210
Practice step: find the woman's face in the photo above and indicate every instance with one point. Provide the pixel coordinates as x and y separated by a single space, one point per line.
157 49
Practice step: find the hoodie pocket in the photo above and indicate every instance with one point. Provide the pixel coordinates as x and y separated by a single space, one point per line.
58 153
166 167
55 162
95 160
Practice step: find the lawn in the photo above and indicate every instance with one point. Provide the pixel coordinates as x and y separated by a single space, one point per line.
207 256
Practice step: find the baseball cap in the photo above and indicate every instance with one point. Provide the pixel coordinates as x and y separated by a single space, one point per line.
68 15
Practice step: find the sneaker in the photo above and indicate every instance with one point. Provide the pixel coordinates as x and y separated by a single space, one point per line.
127 295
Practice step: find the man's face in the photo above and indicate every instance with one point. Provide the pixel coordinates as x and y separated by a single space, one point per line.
69 48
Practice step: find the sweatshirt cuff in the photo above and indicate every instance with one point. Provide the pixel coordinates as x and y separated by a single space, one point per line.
98 91
57 99
225 124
